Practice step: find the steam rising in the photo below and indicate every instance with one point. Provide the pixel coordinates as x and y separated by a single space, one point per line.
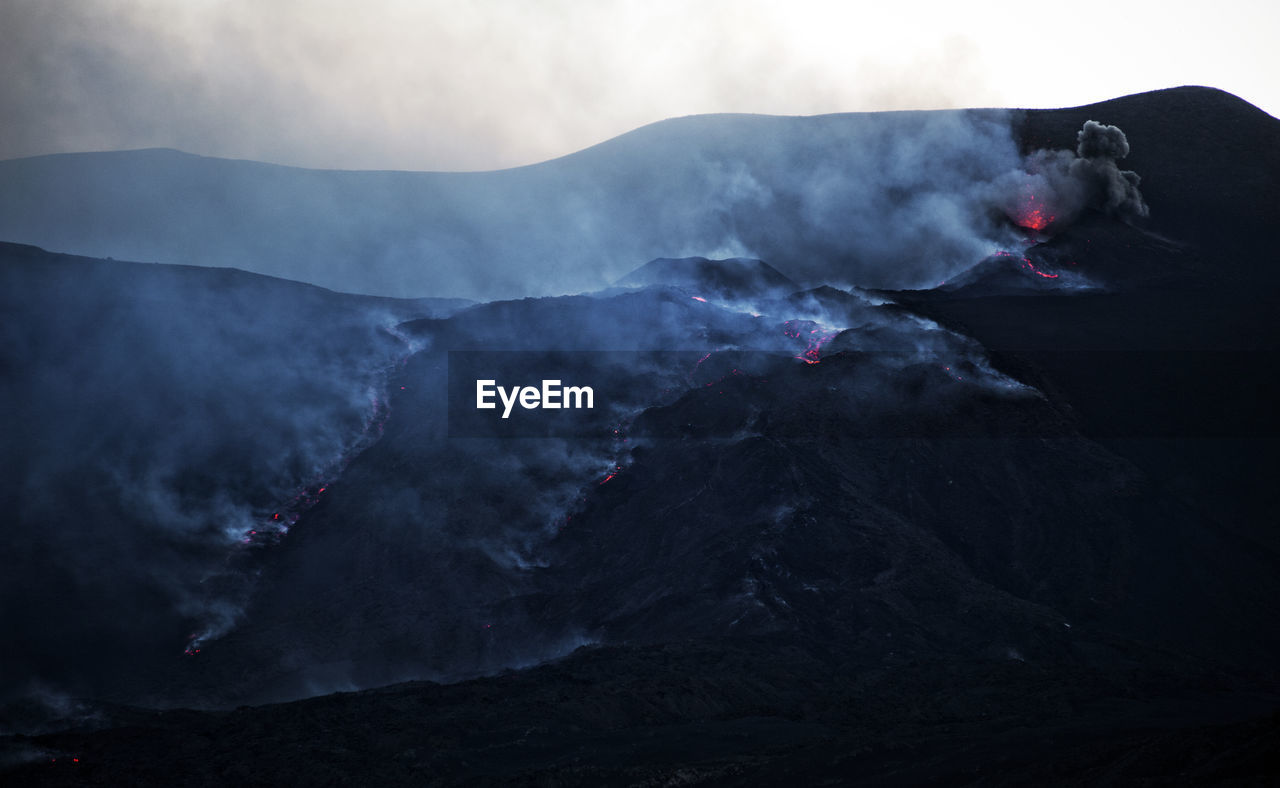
178 411
890 200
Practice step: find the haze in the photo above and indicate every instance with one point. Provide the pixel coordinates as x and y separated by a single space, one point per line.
449 86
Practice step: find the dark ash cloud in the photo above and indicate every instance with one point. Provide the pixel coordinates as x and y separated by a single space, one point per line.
1107 187
1100 141
1052 187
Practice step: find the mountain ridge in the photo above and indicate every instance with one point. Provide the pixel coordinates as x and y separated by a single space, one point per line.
712 186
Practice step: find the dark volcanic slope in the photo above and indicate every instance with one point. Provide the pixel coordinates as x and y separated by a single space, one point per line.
1173 359
863 566
897 565
150 415
739 714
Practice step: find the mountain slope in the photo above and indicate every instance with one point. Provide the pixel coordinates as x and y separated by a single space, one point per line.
151 413
982 532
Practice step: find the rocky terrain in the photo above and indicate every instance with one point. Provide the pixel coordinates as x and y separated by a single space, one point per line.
1011 528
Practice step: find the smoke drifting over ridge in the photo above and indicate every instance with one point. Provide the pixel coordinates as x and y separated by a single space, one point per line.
889 200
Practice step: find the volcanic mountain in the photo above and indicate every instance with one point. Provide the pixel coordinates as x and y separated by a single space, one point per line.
813 196
1007 529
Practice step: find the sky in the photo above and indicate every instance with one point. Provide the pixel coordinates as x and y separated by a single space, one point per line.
432 85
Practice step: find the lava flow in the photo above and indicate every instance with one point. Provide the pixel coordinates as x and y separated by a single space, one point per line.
274 526
1025 262
814 336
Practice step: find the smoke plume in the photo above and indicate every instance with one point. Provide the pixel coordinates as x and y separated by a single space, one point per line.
1054 187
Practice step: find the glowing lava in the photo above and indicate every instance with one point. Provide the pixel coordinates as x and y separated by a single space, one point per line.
814 336
1025 262
1033 214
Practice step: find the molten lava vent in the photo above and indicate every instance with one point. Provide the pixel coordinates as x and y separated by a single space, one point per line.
1033 213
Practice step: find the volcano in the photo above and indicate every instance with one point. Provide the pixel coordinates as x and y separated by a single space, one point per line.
1010 528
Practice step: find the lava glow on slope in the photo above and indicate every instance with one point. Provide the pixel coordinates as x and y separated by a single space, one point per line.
813 335
274 525
1025 262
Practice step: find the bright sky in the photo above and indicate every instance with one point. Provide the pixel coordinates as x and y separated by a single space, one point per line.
452 85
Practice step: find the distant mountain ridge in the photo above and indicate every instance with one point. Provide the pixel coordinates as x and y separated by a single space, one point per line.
726 278
778 188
